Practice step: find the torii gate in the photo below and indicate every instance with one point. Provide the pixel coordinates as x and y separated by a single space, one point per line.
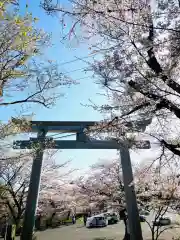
82 142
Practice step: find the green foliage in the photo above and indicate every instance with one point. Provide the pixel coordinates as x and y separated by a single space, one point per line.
19 41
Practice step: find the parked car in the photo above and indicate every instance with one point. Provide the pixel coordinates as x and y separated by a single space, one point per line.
97 221
142 218
164 221
144 212
112 217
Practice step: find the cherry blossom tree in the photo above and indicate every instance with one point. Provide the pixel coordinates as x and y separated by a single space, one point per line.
138 48
15 175
158 189
103 186
158 181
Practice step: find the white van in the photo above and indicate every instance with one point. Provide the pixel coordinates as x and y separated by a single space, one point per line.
97 221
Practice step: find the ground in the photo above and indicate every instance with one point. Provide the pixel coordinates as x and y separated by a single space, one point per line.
114 232
82 233
111 232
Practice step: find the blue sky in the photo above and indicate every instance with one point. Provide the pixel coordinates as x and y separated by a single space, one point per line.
68 108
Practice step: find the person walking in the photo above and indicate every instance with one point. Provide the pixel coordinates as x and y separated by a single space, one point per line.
73 219
85 219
